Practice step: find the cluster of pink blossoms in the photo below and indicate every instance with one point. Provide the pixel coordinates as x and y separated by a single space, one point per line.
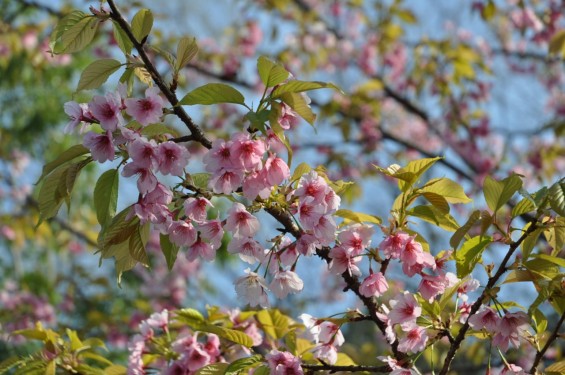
506 329
189 353
326 335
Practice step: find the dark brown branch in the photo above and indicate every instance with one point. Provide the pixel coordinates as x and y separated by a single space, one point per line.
550 340
476 306
333 368
196 131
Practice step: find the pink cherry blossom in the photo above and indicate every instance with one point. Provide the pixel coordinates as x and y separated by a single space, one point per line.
182 233
240 222
75 111
225 181
143 152
146 111
509 329
312 185
146 181
252 289
101 146
212 231
283 363
374 285
288 118
485 318
196 208
356 237
199 248
197 358
330 334
159 319
172 158
431 286
324 230
219 157
310 212
307 244
394 245
285 282
414 341
247 248
107 110
247 153
413 253
344 260
256 184
276 170
405 309
326 352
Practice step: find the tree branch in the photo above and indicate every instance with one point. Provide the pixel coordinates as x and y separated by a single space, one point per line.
196 131
550 340
490 284
332 368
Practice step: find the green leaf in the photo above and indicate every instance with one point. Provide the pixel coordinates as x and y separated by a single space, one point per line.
433 215
301 86
169 249
229 334
141 24
213 93
470 254
410 174
529 242
77 36
557 43
125 44
439 202
106 196
64 24
555 260
270 72
262 370
49 199
300 170
299 105
557 197
358 217
119 229
191 317
558 367
450 190
240 366
273 323
497 193
186 50
213 369
200 180
152 130
524 206
556 235
97 73
66 156
137 243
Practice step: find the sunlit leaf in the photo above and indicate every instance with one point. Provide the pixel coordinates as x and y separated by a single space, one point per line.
78 36
497 193
301 86
213 93
141 24
300 106
450 190
240 365
232 335
358 217
186 50
470 254
270 72
557 197
95 74
122 39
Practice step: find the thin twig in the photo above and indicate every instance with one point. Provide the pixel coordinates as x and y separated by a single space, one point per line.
196 131
550 340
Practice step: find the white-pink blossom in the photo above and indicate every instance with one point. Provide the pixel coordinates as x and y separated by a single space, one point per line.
252 288
107 110
404 308
148 110
285 282
414 341
182 233
172 158
240 222
101 146
374 285
196 208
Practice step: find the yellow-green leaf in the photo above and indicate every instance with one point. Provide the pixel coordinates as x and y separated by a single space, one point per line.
450 190
300 170
213 93
213 369
497 193
297 102
229 334
240 366
557 197
558 367
68 155
141 24
470 254
413 171
95 74
169 249
557 43
270 72
186 50
78 36
137 243
122 39
358 217
436 216
300 86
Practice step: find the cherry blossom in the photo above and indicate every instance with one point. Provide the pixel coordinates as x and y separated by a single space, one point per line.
374 285
101 146
285 282
172 158
148 110
405 309
414 341
283 363
107 110
240 222
252 289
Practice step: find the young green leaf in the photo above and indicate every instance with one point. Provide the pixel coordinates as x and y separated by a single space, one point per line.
229 334
413 171
95 74
358 217
300 170
213 369
186 50
49 201
470 254
240 366
299 105
557 197
122 39
141 24
137 243
270 72
497 193
301 86
436 216
213 93
450 190
119 229
77 36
